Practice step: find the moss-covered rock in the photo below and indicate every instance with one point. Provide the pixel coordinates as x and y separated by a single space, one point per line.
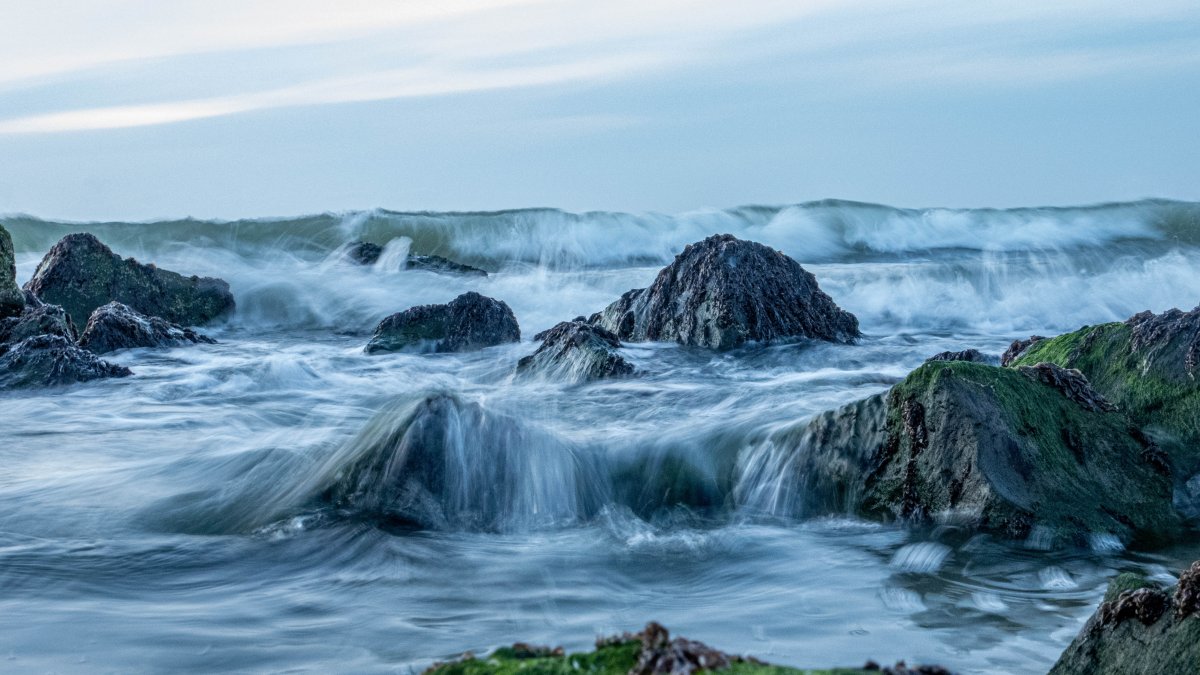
1002 449
81 274
12 301
1147 367
650 652
1140 628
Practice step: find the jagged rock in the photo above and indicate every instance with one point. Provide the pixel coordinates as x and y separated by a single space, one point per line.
1070 382
1143 630
971 355
989 447
37 319
116 326
436 263
48 360
1147 367
1017 348
577 351
366 253
80 274
723 292
12 301
467 323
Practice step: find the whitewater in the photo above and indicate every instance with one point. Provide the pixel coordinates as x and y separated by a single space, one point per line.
173 520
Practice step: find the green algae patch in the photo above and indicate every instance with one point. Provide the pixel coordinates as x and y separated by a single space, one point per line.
999 446
1126 581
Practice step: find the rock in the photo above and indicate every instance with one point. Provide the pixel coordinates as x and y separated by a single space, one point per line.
574 350
989 447
115 326
469 322
80 274
723 292
435 263
12 301
1140 630
364 252
37 319
650 652
1146 366
1018 347
1070 382
970 355
48 360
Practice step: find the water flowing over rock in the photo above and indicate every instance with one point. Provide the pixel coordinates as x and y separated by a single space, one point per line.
81 274
467 323
116 326
366 253
12 301
575 350
49 360
723 292
982 445
1139 629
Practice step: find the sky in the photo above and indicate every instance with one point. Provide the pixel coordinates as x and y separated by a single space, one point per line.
142 109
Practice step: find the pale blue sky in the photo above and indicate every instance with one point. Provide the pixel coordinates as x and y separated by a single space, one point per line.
228 108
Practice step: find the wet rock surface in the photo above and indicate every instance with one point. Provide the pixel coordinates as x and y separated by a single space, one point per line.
81 274
49 360
722 292
1135 631
994 448
969 355
575 350
1070 382
37 319
366 253
469 322
116 326
1017 348
12 301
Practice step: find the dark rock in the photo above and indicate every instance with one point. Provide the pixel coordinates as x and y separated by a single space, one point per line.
364 252
969 355
1070 382
12 301
48 360
661 655
723 292
989 447
115 326
436 263
80 274
1143 630
1017 348
577 351
37 319
469 322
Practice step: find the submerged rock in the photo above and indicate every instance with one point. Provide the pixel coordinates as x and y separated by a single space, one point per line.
12 301
1140 628
578 351
971 355
48 360
992 448
116 326
1147 367
81 274
366 253
467 323
651 652
723 292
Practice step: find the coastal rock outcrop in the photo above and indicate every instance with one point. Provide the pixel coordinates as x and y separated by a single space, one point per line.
49 360
366 253
38 318
12 301
576 350
991 447
469 322
971 355
81 274
116 326
723 292
1140 628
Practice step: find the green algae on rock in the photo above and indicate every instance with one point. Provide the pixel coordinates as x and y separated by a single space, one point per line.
650 652
1140 628
12 301
1000 449
82 274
